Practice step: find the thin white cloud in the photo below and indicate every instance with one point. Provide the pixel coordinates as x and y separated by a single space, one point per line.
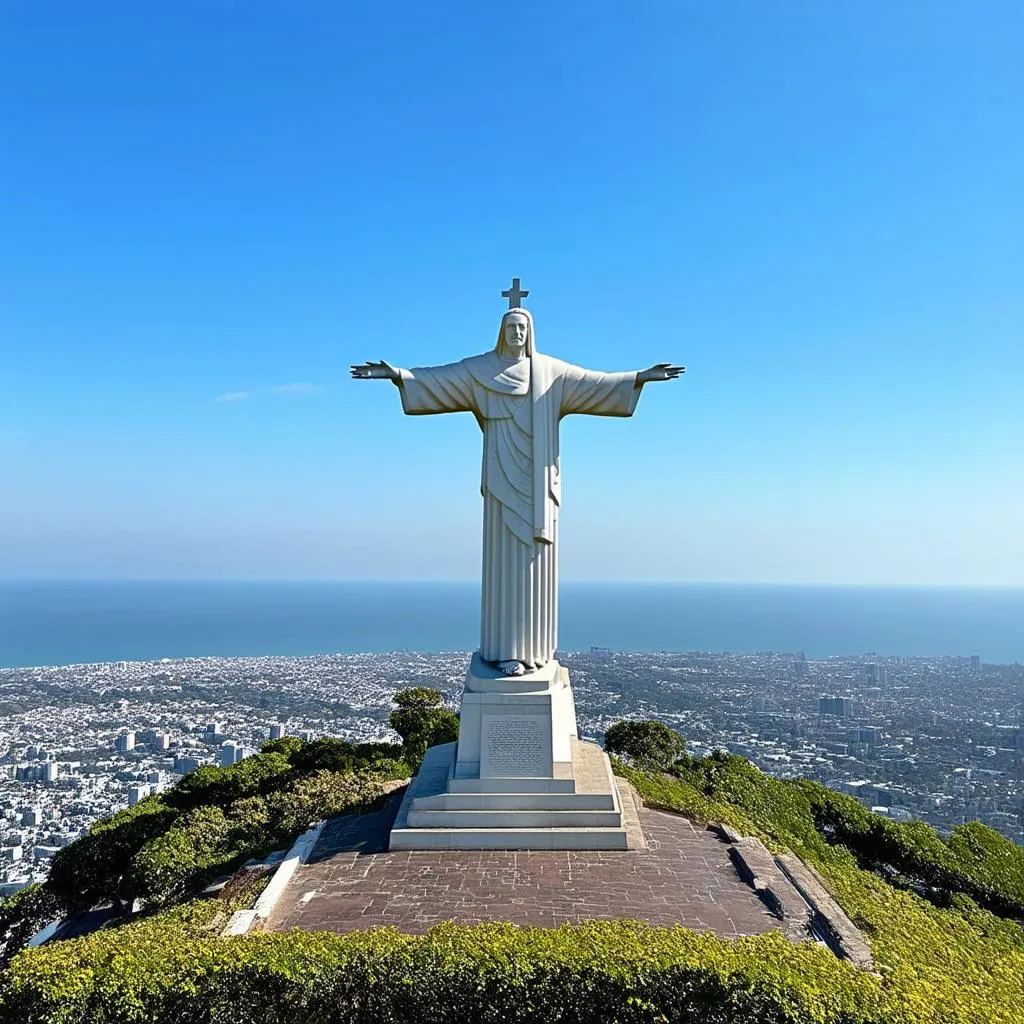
277 389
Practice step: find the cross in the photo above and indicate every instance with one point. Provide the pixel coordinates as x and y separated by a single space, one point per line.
515 294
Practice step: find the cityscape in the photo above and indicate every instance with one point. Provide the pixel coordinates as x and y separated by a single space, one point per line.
935 739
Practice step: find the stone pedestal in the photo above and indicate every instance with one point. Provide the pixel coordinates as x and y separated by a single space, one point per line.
515 727
518 778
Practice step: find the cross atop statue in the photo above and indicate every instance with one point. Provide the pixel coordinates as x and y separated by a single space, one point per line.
515 294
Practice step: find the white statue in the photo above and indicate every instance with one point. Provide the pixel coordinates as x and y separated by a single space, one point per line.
518 397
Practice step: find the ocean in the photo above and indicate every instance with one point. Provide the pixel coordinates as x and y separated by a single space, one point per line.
50 623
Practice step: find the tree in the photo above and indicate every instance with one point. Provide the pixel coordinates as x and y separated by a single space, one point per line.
418 697
421 723
647 744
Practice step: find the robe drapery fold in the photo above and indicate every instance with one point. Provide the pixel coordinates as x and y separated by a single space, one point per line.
518 404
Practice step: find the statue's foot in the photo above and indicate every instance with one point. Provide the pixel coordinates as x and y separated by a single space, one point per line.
512 668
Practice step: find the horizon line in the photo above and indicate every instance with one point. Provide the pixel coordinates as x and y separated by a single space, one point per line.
314 580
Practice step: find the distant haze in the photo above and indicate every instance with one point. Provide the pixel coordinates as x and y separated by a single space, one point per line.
63 623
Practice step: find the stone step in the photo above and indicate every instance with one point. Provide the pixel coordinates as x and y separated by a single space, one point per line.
517 802
509 839
511 819
511 785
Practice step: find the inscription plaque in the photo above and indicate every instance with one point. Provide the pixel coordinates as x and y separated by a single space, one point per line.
515 746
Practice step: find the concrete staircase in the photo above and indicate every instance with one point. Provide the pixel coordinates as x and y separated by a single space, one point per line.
586 811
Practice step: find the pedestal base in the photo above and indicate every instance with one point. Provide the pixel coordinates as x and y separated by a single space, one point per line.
518 778
593 816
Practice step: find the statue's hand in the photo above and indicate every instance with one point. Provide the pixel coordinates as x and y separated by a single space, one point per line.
374 371
660 371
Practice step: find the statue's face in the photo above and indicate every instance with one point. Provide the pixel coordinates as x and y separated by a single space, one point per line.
516 327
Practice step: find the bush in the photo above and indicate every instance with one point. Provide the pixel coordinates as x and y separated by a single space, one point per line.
286 745
418 698
321 795
210 785
602 972
421 728
195 849
90 870
650 745
337 755
22 915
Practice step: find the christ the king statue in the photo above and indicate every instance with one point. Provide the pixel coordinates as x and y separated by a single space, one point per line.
518 397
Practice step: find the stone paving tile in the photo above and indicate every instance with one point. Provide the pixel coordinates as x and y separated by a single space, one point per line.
684 877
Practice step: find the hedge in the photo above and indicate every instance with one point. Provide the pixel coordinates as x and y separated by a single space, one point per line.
166 847
599 972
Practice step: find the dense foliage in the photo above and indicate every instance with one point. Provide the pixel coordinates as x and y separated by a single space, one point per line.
167 847
646 744
422 722
820 824
937 912
165 970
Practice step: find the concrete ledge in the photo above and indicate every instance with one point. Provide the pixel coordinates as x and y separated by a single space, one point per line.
244 920
725 832
517 802
514 818
509 839
630 802
241 921
828 918
757 866
512 785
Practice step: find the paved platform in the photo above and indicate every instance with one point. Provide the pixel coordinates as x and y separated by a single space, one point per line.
685 877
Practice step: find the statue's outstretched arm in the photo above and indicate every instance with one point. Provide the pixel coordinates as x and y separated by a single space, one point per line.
425 389
375 371
659 371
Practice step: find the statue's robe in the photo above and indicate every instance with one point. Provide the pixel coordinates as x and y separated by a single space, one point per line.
518 405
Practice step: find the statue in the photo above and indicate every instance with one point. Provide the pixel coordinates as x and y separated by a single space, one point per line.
518 397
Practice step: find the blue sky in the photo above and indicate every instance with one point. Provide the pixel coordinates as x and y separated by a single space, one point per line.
819 209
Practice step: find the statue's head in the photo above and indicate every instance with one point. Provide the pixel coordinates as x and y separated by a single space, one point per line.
515 339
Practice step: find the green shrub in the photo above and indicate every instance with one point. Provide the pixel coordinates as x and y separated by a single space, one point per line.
22 915
196 848
209 785
600 972
320 795
421 728
648 744
286 745
976 861
90 870
418 698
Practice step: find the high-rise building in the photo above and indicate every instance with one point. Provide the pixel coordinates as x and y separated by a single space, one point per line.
841 707
137 793
161 741
877 674
975 662
184 765
125 742
870 734
276 731
50 771
32 816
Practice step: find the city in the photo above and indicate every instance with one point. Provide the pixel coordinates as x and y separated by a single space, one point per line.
937 739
